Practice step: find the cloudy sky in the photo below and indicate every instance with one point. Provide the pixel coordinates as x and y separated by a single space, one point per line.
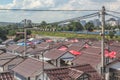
17 16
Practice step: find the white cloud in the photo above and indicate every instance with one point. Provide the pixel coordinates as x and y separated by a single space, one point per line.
115 5
55 4
37 3
29 4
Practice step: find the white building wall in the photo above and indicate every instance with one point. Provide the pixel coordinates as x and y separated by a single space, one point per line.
114 66
67 56
41 77
1 69
19 77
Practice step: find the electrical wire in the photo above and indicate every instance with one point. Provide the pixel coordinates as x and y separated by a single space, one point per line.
113 11
79 18
42 10
113 16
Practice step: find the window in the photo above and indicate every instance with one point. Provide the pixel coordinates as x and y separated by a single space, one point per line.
114 74
11 66
28 78
83 77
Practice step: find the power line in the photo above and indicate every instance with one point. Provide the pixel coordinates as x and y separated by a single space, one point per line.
113 12
79 18
42 10
113 16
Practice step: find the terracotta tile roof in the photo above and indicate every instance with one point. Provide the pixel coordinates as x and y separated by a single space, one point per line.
2 62
114 48
37 51
14 62
86 58
6 56
79 44
43 45
20 49
6 76
8 40
30 67
12 47
54 53
76 48
92 50
115 43
63 48
74 73
65 72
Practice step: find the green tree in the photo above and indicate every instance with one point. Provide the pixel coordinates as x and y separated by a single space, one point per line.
28 32
111 34
3 34
89 26
11 32
75 26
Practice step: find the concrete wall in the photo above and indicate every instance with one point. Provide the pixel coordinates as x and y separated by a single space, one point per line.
40 77
19 77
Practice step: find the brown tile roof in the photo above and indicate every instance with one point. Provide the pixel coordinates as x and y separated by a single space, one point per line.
74 73
6 56
79 44
116 43
76 48
6 76
92 50
36 51
2 62
43 45
14 62
30 66
54 53
114 48
88 58
12 47
64 73
20 49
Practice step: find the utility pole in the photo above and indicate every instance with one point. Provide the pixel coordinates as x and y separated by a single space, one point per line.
25 37
102 44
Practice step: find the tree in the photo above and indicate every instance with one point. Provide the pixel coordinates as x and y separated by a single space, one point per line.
43 23
89 26
28 32
11 32
3 34
75 26
111 34
18 38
